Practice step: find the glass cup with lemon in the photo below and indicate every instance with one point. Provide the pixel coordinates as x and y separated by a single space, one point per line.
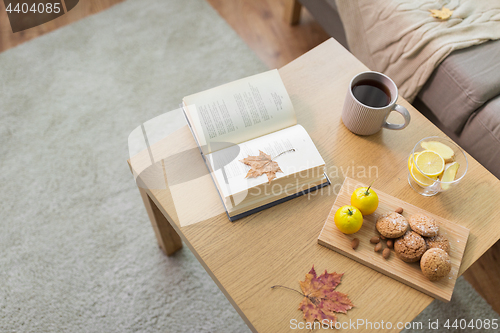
435 165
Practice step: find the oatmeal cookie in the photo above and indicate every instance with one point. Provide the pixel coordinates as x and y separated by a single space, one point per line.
392 225
435 264
410 247
424 225
439 241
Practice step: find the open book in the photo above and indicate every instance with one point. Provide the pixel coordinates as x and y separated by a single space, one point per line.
237 120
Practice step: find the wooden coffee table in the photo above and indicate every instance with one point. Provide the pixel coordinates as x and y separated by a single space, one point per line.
279 245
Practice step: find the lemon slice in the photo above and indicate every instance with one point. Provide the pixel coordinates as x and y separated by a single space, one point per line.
421 179
443 150
410 163
430 163
449 175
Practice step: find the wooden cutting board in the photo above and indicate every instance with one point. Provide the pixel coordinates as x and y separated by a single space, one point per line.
394 267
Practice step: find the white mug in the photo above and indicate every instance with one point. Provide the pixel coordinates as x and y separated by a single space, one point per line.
363 119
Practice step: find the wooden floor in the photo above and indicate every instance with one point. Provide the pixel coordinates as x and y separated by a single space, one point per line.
484 276
261 25
82 9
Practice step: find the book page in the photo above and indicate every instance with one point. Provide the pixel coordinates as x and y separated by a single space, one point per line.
239 111
230 173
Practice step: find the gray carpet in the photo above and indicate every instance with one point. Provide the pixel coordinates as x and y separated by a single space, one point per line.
78 251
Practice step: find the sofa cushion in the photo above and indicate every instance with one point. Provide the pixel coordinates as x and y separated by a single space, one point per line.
481 136
462 83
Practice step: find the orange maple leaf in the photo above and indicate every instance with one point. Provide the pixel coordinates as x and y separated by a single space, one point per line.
321 301
262 164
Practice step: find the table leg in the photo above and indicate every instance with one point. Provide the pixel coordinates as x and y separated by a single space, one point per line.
292 11
168 239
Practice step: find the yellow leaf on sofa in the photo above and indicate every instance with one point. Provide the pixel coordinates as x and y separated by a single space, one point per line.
442 14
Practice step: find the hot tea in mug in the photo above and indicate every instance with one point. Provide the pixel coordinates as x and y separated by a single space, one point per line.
371 96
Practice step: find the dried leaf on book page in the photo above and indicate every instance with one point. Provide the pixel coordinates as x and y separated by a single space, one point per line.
261 164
